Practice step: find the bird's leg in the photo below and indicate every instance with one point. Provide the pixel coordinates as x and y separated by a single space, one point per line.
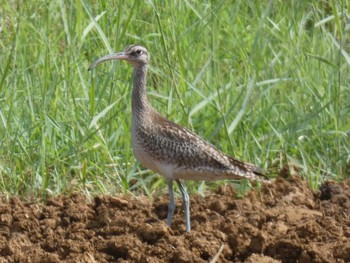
186 201
171 207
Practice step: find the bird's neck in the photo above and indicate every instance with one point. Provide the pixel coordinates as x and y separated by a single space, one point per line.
139 96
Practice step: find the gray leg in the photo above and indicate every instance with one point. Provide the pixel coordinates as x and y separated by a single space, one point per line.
171 207
186 201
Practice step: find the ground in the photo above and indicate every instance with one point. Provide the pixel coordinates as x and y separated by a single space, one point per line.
283 222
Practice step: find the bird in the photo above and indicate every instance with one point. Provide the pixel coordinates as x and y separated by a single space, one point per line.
170 149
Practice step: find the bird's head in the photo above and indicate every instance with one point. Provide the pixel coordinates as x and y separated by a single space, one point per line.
134 54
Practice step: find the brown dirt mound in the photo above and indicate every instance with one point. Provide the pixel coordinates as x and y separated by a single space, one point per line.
284 222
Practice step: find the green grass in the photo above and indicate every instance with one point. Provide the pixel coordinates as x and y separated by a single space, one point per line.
265 81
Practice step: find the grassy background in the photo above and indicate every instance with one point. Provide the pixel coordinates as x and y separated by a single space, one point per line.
265 81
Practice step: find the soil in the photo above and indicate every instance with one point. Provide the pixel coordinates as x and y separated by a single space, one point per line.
282 222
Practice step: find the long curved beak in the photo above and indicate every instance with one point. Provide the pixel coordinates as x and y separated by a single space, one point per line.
115 56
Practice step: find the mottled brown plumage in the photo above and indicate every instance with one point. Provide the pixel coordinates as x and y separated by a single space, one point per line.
169 149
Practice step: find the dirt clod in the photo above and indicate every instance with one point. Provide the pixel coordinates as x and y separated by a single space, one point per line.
283 222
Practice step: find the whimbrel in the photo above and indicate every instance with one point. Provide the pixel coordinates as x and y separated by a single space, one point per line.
169 149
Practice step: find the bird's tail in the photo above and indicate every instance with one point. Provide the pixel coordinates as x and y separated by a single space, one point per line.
252 172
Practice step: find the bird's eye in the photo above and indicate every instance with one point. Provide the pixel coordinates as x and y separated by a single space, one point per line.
138 52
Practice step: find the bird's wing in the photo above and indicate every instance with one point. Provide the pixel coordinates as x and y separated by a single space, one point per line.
177 145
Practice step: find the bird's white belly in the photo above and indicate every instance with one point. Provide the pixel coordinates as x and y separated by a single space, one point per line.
165 169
